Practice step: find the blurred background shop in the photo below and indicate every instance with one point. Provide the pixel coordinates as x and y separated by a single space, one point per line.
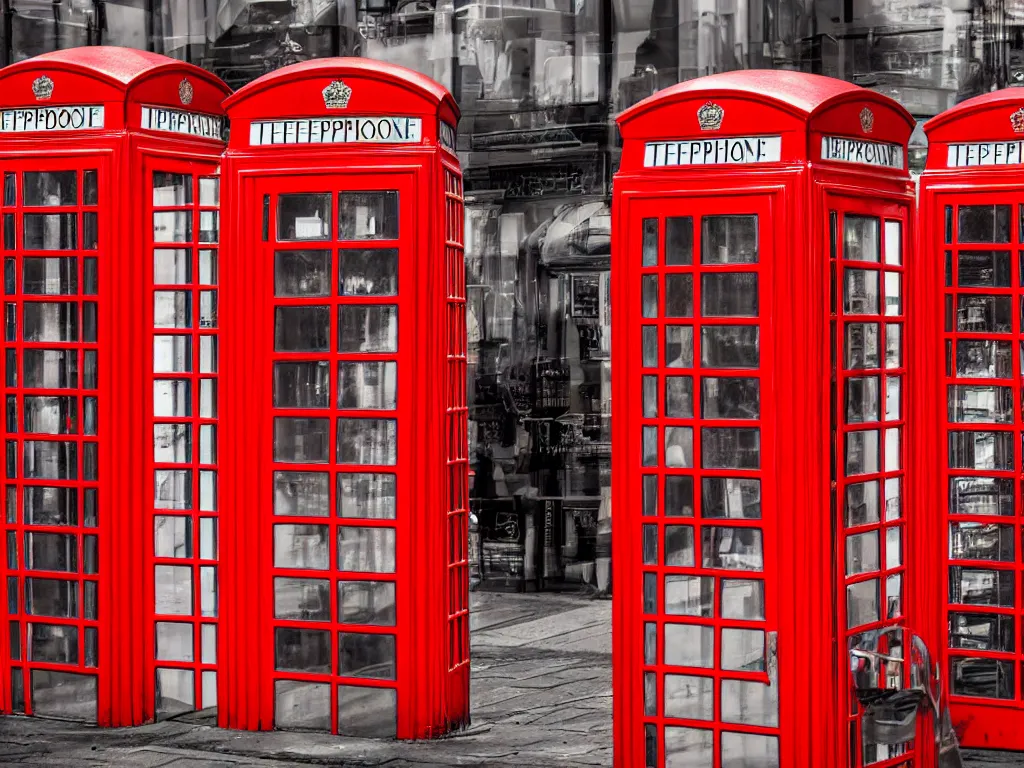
539 82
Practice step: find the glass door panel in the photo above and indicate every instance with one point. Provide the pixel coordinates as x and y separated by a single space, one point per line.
184 521
707 539
53 251
866 247
342 267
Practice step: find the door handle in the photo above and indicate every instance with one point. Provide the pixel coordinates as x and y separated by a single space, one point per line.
771 657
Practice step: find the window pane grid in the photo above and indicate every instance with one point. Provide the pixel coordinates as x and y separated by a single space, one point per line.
984 364
336 398
703 556
184 520
51 280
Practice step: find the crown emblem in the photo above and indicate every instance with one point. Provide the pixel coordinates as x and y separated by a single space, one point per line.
710 117
1017 121
185 91
42 87
336 95
867 120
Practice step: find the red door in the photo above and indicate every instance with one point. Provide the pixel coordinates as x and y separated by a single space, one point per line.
57 539
866 246
980 233
182 228
699 467
334 263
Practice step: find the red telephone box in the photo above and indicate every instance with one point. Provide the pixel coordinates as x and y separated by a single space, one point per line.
109 212
762 240
345 489
970 339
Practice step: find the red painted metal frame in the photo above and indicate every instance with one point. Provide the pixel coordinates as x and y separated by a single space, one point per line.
980 721
800 513
122 80
431 572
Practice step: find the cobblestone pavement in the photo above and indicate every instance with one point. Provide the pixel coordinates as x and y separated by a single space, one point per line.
541 697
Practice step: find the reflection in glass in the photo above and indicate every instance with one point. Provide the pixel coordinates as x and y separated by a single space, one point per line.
678 397
302 385
981 541
649 299
730 346
649 345
302 599
743 650
729 240
366 495
172 309
983 269
736 498
679 549
743 750
678 346
861 553
862 399
861 346
174 641
172 443
172 354
861 238
678 295
171 189
304 217
893 242
50 460
978 313
981 632
49 276
173 589
302 441
981 496
649 243
302 546
981 450
970 404
678 446
689 747
172 266
367 441
731 548
50 231
689 645
64 695
979 586
984 359
730 448
860 292
749 702
366 602
368 272
862 603
367 328
362 654
50 321
172 398
689 697
368 215
302 273
51 597
730 398
302 705
678 495
302 650
366 550
689 595
988 678
862 455
172 536
302 493
365 712
302 329
678 241
983 224
861 503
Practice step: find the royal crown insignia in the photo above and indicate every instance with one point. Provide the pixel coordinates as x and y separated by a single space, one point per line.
336 95
185 91
42 87
710 117
1017 121
867 120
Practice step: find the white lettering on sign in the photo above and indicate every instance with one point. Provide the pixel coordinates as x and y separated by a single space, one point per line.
985 153
69 118
841 150
337 130
731 151
178 121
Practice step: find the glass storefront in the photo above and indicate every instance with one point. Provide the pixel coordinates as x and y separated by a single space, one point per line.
539 83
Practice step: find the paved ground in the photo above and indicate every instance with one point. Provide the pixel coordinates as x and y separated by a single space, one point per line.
541 697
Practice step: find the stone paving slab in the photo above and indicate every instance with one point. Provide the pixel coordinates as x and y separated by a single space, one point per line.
538 700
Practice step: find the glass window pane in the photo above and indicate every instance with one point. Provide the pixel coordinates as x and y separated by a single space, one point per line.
861 238
172 354
302 650
981 450
731 548
860 292
981 541
981 632
749 702
368 272
861 553
679 546
362 654
862 456
678 346
862 503
64 695
977 313
172 489
209 190
862 603
172 309
742 599
302 493
368 215
171 189
369 713
980 404
173 590
678 295
981 496
50 368
983 224
172 536
689 645
649 247
172 226
730 346
172 266
367 441
649 345
742 750
50 231
50 188
689 747
53 643
51 597
302 599
366 602
366 550
302 546
730 497
678 397
988 678
302 441
50 460
50 321
984 359
49 276
743 650
174 641
649 296
678 241
172 398
730 448
302 273
893 242
861 346
45 505
367 328
302 385
369 386
172 443
678 447
980 586
729 240
729 294
983 269
304 217
50 415
302 706
729 398
689 595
